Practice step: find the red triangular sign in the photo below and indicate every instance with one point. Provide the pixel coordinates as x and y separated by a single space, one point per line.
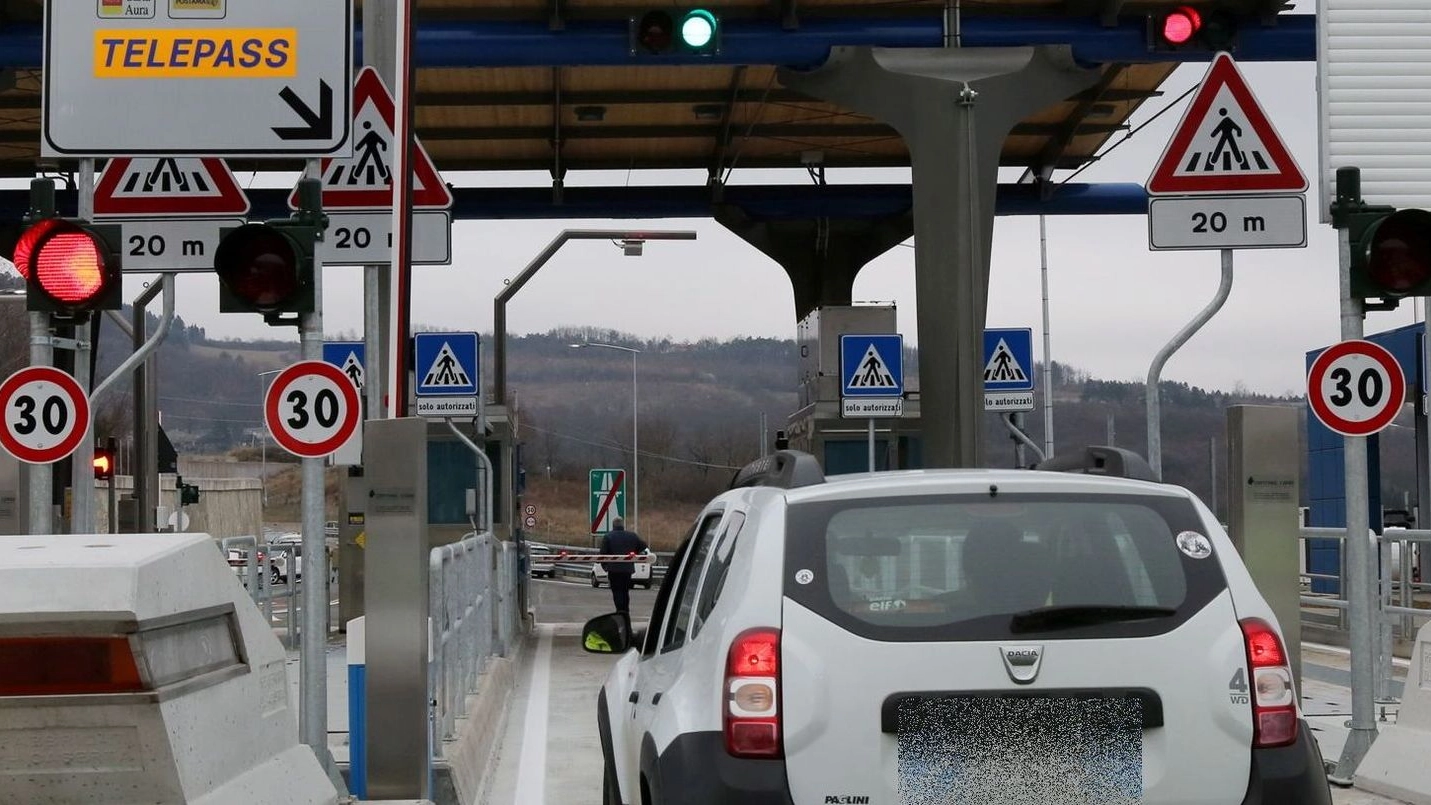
178 187
364 180
1225 143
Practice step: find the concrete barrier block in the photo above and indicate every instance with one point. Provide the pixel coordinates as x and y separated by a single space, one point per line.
1396 766
468 756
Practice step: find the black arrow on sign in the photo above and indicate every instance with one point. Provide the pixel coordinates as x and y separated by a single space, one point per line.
320 125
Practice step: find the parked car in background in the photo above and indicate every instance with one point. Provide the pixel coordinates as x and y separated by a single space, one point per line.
640 577
539 561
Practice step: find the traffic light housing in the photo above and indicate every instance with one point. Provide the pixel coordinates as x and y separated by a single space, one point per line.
188 493
268 268
1390 253
103 464
675 31
1194 28
71 267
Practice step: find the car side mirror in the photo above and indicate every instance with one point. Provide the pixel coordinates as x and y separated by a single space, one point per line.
607 634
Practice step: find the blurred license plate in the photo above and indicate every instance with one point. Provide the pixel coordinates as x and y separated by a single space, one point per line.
1020 751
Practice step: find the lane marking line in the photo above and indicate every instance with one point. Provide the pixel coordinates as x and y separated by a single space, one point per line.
531 768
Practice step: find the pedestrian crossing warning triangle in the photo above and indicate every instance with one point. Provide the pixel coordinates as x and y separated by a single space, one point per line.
364 180
1003 367
446 371
1225 143
872 373
353 368
168 186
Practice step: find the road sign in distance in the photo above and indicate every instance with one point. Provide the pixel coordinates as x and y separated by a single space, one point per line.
1355 388
46 415
311 409
1227 222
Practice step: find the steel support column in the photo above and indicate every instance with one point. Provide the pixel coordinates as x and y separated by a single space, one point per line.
821 255
954 107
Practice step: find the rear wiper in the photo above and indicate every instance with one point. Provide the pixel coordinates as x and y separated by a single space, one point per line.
1047 618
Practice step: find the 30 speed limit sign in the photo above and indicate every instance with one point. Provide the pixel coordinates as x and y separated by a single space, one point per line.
46 414
311 409
1355 388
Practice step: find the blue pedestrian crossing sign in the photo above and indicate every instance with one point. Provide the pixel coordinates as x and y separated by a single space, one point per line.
1008 369
350 357
445 364
872 365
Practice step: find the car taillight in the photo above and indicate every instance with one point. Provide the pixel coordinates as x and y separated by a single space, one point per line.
752 695
52 666
1274 707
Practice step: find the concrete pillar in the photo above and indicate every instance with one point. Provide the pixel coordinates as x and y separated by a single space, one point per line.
821 255
954 107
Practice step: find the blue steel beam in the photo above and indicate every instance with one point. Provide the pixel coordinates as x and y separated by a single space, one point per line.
766 202
494 43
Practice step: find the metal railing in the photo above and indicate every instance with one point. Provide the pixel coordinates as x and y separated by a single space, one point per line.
263 588
1395 614
473 607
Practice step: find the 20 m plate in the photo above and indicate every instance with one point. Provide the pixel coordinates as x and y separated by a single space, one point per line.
1227 222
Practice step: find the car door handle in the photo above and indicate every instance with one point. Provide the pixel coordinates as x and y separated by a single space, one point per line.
634 697
655 700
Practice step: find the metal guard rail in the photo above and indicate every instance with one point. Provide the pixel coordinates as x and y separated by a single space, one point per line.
472 598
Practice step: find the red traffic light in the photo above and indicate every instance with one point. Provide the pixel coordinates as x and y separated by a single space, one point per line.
103 465
656 32
69 266
1398 252
1180 25
260 265
29 239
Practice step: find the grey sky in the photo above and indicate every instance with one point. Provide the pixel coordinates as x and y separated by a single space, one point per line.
1114 302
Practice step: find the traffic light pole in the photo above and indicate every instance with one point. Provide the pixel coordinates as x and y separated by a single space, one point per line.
42 353
313 663
82 461
1361 572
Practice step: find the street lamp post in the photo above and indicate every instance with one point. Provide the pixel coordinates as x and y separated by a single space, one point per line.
263 435
635 429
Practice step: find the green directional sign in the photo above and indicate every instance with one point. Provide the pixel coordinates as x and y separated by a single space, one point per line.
607 499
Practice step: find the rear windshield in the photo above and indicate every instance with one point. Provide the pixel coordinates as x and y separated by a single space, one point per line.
960 567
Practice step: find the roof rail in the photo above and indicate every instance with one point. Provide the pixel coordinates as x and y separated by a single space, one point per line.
1101 460
786 469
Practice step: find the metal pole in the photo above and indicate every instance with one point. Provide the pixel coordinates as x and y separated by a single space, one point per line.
1360 580
1047 344
41 475
871 444
313 663
82 460
146 424
1016 422
112 513
635 447
1212 469
1155 430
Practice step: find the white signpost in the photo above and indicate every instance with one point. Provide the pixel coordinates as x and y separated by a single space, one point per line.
1227 222
366 238
265 78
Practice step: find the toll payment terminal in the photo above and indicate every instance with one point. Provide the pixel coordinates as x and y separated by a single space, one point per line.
137 670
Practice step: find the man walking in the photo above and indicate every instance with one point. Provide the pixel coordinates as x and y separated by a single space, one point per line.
619 541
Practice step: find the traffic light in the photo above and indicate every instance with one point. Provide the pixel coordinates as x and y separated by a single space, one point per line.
71 266
1191 28
103 464
1390 253
188 493
267 268
690 31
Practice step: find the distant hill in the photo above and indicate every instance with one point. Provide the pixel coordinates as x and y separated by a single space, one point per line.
701 406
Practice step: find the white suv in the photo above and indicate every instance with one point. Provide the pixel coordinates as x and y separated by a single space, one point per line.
971 636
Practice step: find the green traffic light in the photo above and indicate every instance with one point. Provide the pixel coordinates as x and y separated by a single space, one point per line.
698 29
